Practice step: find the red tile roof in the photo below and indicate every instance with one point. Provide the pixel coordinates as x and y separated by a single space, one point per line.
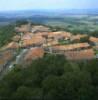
35 40
12 45
51 43
27 36
40 28
78 37
71 46
80 55
34 53
6 56
59 34
23 28
93 39
16 38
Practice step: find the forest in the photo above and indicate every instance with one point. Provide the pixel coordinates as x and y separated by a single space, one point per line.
51 78
6 33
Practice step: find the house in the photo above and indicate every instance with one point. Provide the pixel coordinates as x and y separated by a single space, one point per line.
94 41
50 43
33 54
40 28
2 63
59 35
23 28
65 35
77 37
34 41
70 47
5 57
16 38
86 54
12 45
27 36
43 34
95 47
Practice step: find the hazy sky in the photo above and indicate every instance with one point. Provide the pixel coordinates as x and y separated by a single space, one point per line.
47 4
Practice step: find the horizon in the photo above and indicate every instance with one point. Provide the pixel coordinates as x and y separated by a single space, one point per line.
10 5
48 10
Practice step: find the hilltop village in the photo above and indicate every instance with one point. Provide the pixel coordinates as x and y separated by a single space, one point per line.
34 41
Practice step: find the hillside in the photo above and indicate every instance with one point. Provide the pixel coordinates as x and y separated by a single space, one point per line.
49 61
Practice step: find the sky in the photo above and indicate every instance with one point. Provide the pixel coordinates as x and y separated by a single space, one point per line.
7 5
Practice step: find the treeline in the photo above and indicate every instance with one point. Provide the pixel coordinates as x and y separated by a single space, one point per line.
52 78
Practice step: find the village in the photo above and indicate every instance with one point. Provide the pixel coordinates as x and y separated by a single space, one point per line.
34 41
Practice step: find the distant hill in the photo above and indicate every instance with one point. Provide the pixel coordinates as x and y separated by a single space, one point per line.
28 13
41 16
